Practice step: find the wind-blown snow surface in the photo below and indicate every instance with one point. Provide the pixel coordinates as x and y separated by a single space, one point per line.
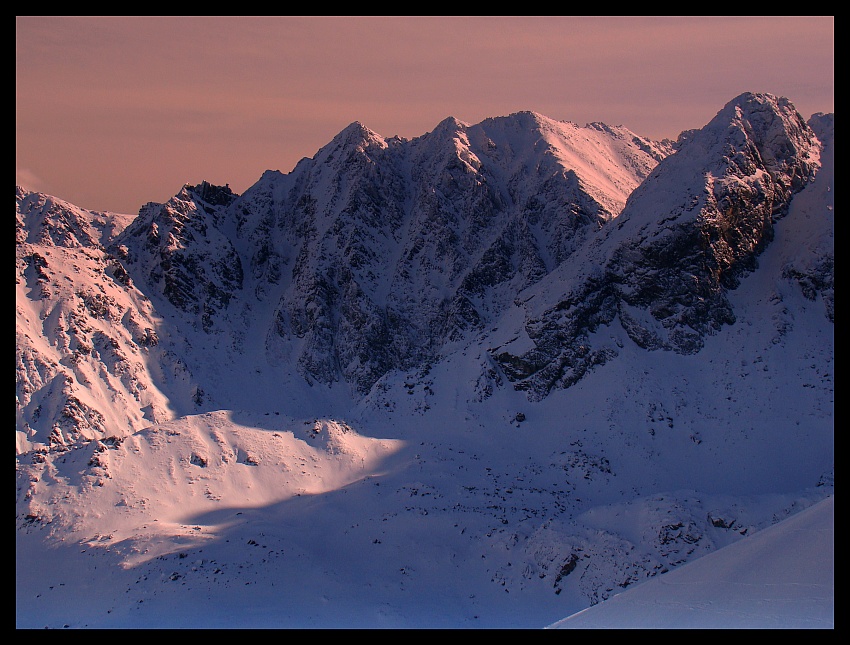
440 499
782 577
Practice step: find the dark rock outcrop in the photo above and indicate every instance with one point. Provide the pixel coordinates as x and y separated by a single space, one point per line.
686 236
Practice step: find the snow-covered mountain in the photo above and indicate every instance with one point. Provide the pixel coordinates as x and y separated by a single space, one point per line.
488 376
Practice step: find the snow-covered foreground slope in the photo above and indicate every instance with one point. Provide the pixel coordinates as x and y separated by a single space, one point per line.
781 578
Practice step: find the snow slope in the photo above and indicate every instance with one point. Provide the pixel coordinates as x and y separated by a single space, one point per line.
781 578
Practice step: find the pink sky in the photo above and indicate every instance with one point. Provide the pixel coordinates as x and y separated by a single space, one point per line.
113 112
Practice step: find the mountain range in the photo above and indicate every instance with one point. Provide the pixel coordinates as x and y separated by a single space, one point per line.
485 377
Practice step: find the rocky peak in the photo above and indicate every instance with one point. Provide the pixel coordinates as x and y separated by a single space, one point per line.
178 251
354 138
211 194
686 236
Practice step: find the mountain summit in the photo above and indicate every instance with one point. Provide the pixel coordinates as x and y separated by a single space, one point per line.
686 235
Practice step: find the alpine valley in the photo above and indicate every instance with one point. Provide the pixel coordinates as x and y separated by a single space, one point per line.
486 377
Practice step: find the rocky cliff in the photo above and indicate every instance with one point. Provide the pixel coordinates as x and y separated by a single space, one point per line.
389 254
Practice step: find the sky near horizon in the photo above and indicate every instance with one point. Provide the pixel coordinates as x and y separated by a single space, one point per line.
113 112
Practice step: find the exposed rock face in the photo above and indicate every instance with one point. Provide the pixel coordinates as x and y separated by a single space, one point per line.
379 251
85 337
182 251
685 237
388 254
